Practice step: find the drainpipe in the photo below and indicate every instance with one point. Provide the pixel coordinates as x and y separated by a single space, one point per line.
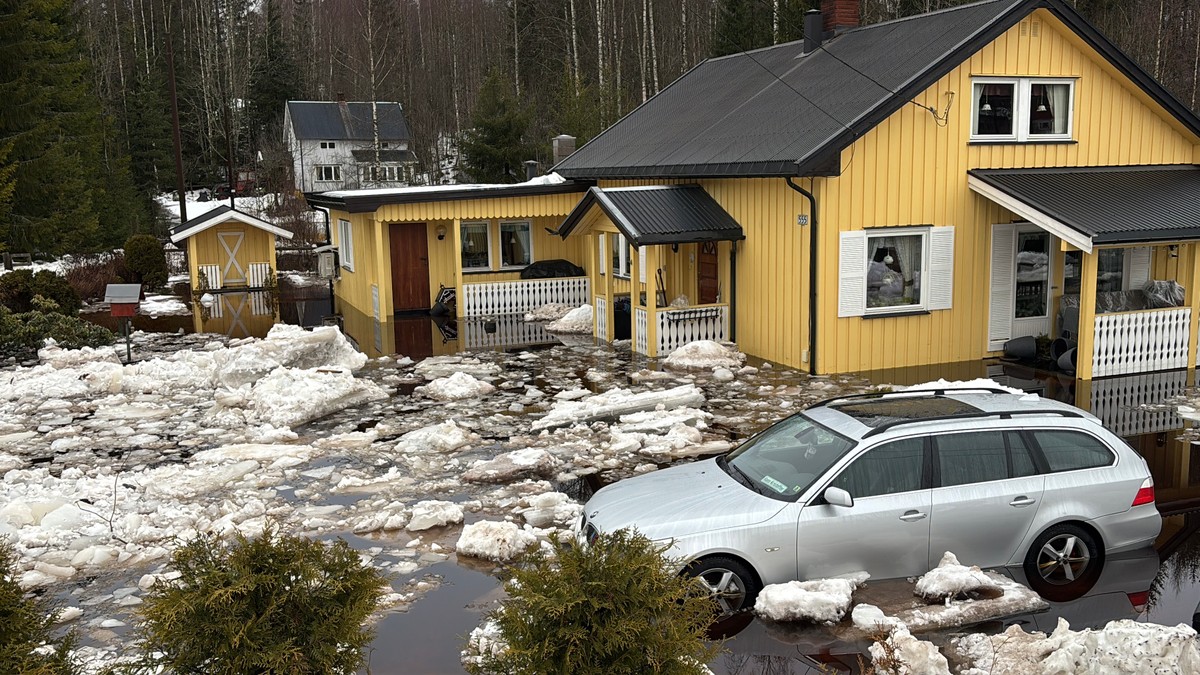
732 290
328 242
812 274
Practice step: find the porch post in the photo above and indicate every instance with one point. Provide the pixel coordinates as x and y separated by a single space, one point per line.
591 241
1087 316
652 301
1192 298
459 300
609 310
636 297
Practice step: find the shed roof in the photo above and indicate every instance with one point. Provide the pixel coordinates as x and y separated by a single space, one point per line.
1090 206
223 214
659 214
781 112
331 120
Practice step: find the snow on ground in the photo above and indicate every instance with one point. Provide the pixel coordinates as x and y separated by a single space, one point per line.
707 355
550 312
578 321
1122 646
819 600
55 266
903 654
160 305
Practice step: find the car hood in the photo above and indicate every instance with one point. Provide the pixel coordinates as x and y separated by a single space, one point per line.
679 501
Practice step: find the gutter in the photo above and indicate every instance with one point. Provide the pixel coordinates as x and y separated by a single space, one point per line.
812 274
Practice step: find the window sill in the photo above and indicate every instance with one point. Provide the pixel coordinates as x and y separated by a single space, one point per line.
1013 141
348 269
893 315
478 270
512 268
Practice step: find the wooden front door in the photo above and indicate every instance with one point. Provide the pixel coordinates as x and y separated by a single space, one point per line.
707 284
410 267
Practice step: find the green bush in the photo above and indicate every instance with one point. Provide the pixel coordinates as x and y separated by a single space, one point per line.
23 334
27 623
18 288
146 261
270 604
617 606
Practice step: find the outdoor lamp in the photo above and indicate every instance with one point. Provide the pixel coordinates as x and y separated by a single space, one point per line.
441 232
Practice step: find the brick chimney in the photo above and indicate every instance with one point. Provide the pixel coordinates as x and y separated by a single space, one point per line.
840 15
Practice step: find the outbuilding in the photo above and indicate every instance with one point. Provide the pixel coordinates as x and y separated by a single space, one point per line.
227 248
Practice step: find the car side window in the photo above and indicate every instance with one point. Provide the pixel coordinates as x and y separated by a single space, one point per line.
1070 450
974 457
894 467
1022 459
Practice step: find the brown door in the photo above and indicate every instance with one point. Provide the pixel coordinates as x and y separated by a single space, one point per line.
414 336
706 273
410 267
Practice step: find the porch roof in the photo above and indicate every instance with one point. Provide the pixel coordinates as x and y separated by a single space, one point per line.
658 214
1091 206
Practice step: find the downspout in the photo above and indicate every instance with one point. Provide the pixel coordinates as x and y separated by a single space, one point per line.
812 274
732 291
328 242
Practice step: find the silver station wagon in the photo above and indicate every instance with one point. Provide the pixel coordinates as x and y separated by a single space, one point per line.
886 483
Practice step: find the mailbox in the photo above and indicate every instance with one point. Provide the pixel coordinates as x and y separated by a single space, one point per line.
123 299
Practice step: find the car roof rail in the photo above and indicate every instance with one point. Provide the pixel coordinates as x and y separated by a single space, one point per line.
912 393
1002 414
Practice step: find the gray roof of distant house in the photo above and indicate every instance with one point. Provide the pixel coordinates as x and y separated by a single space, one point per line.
384 155
659 214
780 112
1112 205
333 121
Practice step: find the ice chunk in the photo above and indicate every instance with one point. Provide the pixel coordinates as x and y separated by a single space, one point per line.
951 579
443 437
550 508
549 312
577 321
495 540
510 466
706 355
820 600
456 387
443 366
485 643
904 654
870 618
434 513
617 402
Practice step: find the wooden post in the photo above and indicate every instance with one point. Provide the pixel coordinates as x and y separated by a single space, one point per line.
636 298
609 311
456 237
1192 299
591 241
1087 316
652 301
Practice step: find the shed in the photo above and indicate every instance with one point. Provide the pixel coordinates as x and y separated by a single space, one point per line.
228 248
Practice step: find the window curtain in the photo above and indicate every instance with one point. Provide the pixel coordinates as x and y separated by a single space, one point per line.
1059 96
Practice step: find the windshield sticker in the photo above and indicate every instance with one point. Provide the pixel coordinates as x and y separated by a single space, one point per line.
775 485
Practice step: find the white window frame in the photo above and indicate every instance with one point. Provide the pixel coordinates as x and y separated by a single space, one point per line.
1022 93
877 233
328 145
346 244
602 248
937 270
487 227
390 173
500 233
336 173
621 271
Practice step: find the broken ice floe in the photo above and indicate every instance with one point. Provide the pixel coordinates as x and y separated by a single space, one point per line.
549 312
820 600
618 402
455 387
578 321
510 466
706 355
499 541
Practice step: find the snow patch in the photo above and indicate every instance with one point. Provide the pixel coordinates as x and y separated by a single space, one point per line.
549 312
456 387
904 654
499 541
706 355
818 600
577 321
951 579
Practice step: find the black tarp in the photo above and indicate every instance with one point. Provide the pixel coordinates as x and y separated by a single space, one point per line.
550 269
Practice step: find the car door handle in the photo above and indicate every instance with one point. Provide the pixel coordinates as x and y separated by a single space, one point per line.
912 516
1022 501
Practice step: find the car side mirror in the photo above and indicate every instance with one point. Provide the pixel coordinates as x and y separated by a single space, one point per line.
838 497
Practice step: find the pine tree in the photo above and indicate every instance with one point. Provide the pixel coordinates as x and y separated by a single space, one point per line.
274 82
8 185
741 25
495 148
150 133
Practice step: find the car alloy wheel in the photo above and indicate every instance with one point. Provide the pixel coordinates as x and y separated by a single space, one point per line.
1064 559
729 582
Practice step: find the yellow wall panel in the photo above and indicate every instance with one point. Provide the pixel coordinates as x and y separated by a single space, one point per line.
205 248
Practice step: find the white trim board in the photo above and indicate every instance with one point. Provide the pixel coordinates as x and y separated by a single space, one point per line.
201 223
1056 227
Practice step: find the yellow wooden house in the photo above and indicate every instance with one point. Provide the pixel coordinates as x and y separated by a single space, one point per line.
915 192
402 250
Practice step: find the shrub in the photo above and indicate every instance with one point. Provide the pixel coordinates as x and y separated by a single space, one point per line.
18 288
90 275
23 334
617 606
269 604
146 261
27 624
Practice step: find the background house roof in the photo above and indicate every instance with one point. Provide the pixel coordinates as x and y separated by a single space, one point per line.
1108 204
330 120
659 214
780 112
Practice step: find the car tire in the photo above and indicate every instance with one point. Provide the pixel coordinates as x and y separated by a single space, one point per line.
1063 563
728 581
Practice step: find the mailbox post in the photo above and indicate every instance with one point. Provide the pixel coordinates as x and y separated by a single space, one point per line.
123 301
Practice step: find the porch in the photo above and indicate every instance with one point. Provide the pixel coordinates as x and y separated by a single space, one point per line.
498 298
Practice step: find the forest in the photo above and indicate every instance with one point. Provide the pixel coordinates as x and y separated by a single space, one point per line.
85 124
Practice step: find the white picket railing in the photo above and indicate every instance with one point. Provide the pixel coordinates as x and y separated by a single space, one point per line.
511 331
513 297
677 327
600 311
261 303
213 274
1116 401
256 276
641 341
1140 342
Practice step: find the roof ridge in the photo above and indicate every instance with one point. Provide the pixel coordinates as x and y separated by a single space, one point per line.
926 15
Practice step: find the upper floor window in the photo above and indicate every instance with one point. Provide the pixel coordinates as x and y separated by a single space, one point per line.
516 244
331 172
1021 109
328 145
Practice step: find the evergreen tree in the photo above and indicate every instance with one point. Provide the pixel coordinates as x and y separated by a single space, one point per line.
741 25
150 133
8 185
275 81
495 148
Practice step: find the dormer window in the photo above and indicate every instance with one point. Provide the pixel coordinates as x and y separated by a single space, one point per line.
1022 109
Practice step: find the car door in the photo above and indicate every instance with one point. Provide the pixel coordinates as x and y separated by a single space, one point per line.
886 531
986 495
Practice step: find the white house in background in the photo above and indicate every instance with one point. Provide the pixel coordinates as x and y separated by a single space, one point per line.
333 145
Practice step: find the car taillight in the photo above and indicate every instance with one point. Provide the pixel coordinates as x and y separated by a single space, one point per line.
1139 601
1145 494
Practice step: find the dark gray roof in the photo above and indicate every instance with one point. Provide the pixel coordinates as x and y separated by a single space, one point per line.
384 155
332 121
659 214
1110 204
780 112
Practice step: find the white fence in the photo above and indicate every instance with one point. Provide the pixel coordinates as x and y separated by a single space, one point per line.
511 331
212 273
641 341
600 311
677 327
256 276
1117 400
512 297
1140 342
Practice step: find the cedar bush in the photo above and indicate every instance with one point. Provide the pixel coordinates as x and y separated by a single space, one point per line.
146 261
617 606
27 624
21 335
19 287
269 604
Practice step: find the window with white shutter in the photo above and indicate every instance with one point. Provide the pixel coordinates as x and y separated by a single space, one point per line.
895 270
1000 300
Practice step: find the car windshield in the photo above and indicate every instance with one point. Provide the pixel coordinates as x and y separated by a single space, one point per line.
786 459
